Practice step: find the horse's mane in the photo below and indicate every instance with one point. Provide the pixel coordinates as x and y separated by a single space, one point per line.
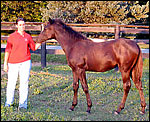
72 33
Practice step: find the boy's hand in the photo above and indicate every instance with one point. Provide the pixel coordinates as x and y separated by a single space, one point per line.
5 67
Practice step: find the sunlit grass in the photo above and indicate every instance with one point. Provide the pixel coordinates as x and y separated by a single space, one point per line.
51 95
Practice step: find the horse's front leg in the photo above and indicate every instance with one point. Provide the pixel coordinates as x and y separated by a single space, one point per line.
83 81
75 89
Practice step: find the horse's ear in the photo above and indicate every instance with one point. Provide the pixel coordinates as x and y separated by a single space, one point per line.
50 20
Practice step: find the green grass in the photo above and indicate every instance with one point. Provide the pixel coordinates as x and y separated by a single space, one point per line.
51 95
49 58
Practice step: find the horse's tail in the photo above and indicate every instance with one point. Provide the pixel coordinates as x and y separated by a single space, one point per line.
137 79
137 70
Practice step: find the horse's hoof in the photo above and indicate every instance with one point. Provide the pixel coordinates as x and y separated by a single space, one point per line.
142 113
116 113
88 111
71 109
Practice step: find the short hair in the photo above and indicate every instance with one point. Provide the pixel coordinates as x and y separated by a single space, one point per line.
19 19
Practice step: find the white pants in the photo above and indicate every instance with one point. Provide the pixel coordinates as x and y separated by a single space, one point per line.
24 72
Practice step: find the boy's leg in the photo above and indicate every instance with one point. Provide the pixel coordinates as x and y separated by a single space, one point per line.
11 84
24 73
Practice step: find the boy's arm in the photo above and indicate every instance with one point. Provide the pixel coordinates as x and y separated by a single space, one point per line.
6 61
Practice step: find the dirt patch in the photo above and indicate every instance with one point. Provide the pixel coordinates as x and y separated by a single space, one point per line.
47 63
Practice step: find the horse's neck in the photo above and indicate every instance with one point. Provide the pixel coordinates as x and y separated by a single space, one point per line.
65 43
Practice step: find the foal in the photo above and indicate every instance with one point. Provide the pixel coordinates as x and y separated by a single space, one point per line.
85 55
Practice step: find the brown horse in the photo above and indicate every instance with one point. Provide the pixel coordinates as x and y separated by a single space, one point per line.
85 55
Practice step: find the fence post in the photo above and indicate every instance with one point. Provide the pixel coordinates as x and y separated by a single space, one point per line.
117 32
117 36
43 51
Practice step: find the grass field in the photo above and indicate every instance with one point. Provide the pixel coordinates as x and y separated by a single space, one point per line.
51 95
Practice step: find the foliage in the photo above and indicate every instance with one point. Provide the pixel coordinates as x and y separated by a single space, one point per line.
68 11
51 94
104 12
29 10
139 11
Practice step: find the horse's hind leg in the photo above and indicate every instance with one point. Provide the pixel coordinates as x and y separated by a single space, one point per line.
126 87
75 89
138 84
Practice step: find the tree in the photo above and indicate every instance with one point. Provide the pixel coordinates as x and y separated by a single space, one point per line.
29 10
103 12
140 12
66 10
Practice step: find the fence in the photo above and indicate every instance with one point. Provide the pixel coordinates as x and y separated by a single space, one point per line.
111 28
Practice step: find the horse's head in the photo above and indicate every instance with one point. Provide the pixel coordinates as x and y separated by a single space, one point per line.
47 33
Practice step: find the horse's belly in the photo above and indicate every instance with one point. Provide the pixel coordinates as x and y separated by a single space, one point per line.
101 67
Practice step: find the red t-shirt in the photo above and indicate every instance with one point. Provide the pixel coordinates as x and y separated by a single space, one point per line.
18 47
